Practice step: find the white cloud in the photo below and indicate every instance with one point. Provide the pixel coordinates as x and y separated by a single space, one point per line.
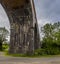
42 22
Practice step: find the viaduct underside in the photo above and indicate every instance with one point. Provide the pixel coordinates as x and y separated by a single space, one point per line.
24 36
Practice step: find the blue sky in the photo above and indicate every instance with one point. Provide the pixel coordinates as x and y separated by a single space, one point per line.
47 11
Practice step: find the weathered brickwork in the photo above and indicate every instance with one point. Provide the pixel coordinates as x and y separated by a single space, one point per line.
24 36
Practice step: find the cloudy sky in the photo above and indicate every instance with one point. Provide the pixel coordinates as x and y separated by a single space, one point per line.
4 21
47 11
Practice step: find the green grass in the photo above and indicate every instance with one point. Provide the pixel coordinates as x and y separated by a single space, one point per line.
26 55
29 56
14 55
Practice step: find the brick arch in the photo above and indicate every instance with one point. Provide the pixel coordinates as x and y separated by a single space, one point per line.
21 14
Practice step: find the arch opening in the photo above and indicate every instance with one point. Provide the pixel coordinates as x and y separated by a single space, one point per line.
4 27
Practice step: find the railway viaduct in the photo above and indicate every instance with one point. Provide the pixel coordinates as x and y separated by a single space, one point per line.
24 37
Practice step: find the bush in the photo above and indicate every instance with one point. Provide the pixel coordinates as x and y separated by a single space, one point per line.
0 44
5 47
47 51
52 51
40 52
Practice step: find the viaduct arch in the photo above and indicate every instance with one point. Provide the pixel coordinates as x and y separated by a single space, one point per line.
24 36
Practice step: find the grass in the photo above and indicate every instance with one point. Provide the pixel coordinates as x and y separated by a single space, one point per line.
29 56
5 47
14 55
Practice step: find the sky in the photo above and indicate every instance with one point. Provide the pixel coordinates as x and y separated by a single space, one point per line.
4 21
46 10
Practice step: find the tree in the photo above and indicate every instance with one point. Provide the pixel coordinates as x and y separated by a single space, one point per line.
51 39
51 34
3 34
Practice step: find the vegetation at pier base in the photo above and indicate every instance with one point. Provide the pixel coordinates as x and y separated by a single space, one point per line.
4 46
51 40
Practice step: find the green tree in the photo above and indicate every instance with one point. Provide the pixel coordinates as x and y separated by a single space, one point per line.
51 33
51 39
48 35
3 34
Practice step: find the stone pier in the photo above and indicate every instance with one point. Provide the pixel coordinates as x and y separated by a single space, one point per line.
24 36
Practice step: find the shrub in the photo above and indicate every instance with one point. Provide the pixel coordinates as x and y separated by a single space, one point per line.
0 44
47 51
5 47
40 52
